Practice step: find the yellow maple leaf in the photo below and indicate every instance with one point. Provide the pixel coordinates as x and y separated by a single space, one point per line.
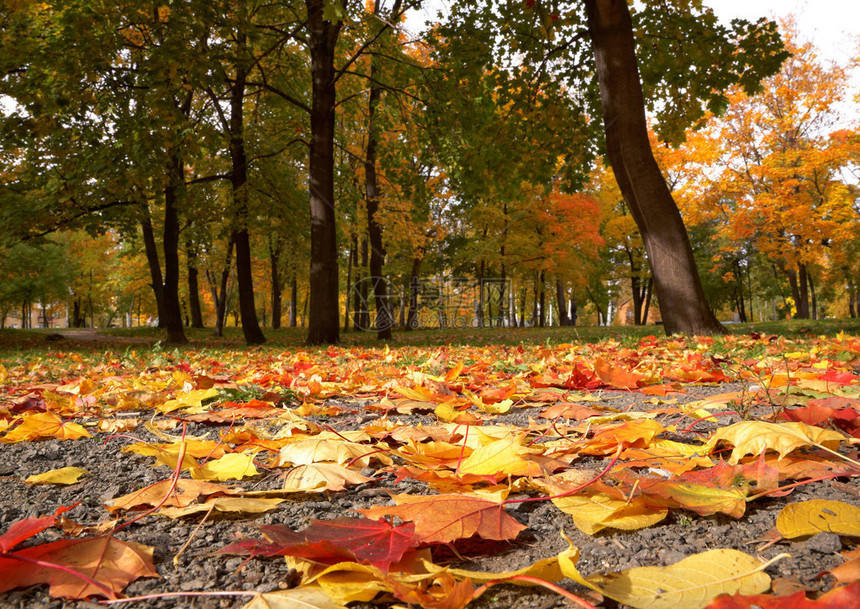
316 450
818 516
506 456
594 512
691 583
190 401
42 425
64 475
756 437
232 466
242 505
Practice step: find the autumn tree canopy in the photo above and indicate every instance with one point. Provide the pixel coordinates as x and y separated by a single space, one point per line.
242 153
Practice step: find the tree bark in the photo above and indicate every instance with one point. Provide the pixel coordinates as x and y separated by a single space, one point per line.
193 285
679 290
412 317
239 180
803 300
275 279
384 315
155 276
173 193
562 305
294 298
323 326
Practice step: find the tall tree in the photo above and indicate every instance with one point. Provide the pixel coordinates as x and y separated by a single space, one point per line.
570 41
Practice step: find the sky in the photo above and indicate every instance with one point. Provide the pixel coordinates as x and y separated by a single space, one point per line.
826 23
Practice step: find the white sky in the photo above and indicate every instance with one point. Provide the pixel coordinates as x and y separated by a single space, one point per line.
826 23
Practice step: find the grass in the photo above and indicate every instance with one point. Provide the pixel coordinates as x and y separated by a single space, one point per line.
12 340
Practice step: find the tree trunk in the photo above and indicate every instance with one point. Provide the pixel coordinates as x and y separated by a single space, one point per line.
562 305
361 314
277 286
351 257
173 196
239 179
412 317
803 293
679 290
151 249
852 293
193 285
219 291
812 298
323 326
649 291
384 316
294 297
542 293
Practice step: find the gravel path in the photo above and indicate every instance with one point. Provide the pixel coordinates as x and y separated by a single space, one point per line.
183 547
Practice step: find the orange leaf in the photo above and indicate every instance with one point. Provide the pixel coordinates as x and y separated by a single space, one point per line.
443 593
444 518
615 376
43 425
845 597
108 561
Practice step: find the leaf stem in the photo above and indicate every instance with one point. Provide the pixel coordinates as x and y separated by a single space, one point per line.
540 582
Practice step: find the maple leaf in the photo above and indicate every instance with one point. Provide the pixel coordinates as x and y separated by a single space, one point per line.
844 597
638 434
722 488
24 529
111 564
44 424
690 583
445 518
239 505
443 592
569 410
184 493
320 477
818 516
64 475
373 542
308 597
615 376
755 437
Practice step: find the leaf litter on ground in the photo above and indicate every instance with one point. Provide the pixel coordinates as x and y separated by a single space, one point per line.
484 431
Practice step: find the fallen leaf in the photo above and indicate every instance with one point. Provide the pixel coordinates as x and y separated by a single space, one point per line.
232 466
243 505
320 477
843 597
28 527
64 475
445 518
690 583
442 592
593 512
818 516
42 425
107 560
303 597
184 493
756 437
373 542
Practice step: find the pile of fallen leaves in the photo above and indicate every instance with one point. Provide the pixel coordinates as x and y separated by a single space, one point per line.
798 414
